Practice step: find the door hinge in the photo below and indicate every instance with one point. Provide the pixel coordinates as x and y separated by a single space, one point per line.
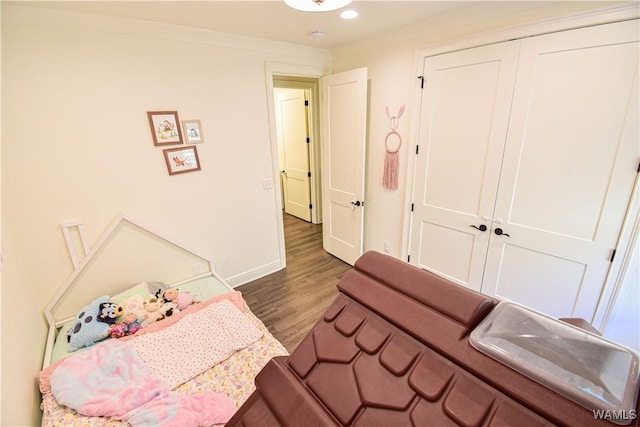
308 140
310 206
309 174
421 82
613 255
417 149
412 205
306 103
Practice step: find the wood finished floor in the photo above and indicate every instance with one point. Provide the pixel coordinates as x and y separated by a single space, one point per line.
290 301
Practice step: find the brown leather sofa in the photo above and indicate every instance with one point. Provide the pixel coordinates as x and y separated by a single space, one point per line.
393 350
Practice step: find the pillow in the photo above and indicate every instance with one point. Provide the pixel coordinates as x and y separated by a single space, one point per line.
132 299
157 286
87 330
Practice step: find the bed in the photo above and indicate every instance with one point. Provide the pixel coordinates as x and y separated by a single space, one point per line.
193 365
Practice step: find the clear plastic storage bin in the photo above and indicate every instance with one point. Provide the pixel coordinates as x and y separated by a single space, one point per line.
584 367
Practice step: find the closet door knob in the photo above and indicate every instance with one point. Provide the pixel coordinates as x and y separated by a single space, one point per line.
481 228
499 232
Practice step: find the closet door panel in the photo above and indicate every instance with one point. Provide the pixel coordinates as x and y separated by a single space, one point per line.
569 166
464 116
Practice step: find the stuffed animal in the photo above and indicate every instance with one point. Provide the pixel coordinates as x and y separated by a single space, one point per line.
109 312
168 294
131 323
170 308
93 323
184 300
156 310
118 331
181 299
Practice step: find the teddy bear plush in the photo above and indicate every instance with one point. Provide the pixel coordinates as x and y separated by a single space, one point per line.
156 309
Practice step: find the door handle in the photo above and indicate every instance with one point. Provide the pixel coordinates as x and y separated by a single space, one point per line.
481 228
499 232
356 203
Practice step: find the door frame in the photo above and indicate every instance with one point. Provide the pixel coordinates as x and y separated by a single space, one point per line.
617 275
290 71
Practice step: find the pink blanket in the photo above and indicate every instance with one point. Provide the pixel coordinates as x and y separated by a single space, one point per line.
111 380
197 342
132 379
234 297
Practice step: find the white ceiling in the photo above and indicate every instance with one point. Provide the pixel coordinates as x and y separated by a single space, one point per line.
273 19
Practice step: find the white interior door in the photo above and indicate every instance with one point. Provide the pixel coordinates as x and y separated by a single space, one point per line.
344 112
293 143
569 166
463 125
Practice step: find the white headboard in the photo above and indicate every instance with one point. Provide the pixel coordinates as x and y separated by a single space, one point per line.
125 254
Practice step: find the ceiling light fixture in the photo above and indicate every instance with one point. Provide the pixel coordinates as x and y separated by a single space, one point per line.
317 5
348 14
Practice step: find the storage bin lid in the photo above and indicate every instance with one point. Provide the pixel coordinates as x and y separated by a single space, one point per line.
590 370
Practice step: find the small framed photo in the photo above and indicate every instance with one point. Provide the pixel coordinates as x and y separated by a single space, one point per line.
192 130
165 127
181 160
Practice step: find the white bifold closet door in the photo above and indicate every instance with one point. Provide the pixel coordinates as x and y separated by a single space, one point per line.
566 171
569 167
463 127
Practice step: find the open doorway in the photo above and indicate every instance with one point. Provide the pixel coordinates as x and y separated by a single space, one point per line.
297 135
337 204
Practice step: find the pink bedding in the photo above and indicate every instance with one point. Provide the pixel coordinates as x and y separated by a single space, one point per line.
111 380
234 297
231 377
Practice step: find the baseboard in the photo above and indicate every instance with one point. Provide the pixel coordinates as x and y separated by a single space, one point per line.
256 273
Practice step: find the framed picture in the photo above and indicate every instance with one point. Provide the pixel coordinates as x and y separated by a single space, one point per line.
181 159
165 127
192 130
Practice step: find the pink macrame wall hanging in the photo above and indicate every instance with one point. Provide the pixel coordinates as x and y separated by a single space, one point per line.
392 143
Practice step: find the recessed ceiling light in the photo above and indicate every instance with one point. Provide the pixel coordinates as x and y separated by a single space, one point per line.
317 5
348 14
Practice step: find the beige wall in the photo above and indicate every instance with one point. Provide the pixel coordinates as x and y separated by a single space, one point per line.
23 331
77 146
